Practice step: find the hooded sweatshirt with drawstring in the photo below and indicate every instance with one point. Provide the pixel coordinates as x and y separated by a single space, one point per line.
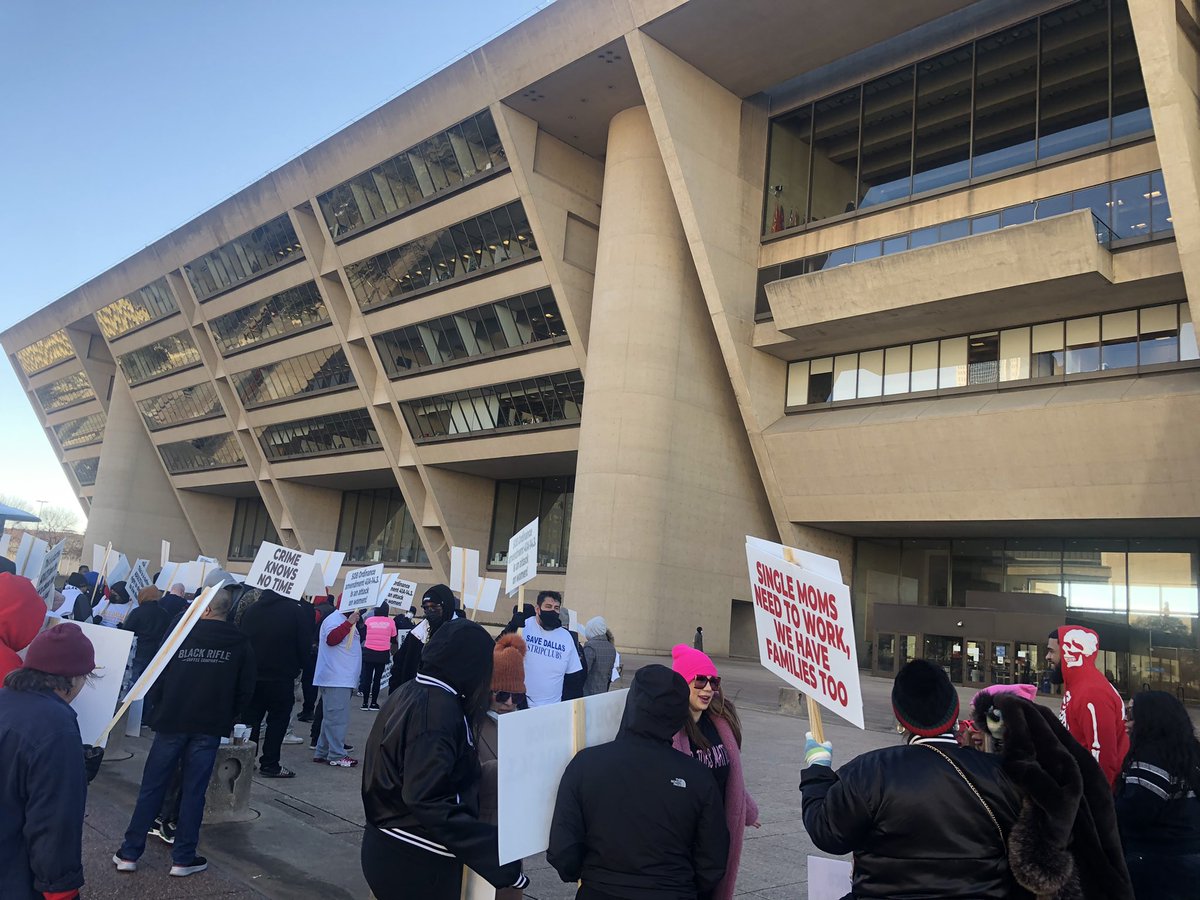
408 658
22 611
1092 710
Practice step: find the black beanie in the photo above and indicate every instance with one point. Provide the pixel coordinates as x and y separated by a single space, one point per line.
924 700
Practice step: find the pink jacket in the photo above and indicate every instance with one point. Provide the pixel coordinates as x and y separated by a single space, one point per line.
740 809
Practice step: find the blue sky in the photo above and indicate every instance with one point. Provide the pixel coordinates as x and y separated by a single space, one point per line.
123 120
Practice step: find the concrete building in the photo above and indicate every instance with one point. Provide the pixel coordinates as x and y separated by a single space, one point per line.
904 284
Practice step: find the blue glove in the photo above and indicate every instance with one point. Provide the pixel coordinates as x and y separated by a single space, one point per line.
817 754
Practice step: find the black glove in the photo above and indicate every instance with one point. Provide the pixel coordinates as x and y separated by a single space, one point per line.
92 757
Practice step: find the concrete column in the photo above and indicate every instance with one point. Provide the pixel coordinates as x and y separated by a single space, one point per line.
666 485
134 504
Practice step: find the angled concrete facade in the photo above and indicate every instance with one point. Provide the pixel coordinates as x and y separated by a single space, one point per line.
908 287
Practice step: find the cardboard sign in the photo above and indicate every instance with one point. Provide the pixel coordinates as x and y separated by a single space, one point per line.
330 563
535 747
464 572
98 557
281 570
118 568
167 576
164 557
828 879
398 593
49 571
522 557
139 578
805 630
31 552
361 590
95 704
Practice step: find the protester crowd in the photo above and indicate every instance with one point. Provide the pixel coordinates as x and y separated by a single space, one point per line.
1012 801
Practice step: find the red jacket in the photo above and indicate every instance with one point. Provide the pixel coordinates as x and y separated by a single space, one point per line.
1092 710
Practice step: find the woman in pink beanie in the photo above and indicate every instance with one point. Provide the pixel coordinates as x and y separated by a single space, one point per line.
713 735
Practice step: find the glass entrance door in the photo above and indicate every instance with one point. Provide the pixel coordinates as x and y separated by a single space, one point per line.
975 662
1001 663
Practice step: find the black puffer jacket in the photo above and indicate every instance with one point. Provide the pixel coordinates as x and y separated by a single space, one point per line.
421 770
914 826
634 818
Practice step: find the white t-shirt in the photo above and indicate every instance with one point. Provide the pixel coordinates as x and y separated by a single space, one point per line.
339 665
549 656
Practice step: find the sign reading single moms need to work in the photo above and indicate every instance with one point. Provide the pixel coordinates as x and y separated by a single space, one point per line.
805 631
280 570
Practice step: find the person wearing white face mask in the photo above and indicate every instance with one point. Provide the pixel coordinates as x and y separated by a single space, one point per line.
551 658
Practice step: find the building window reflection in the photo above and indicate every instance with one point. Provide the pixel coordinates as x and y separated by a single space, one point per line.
318 372
529 403
81 432
189 404
251 526
67 391
49 351
450 159
1059 83
217 451
376 526
85 470
164 356
145 305
550 500
288 312
265 248
345 432
484 243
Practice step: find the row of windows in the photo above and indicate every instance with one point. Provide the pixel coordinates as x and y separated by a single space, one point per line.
217 451
376 526
169 354
85 470
310 373
488 240
251 526
528 403
446 160
66 391
337 433
1130 339
1066 80
81 432
272 317
189 404
485 330
49 351
550 500
1134 207
255 252
145 305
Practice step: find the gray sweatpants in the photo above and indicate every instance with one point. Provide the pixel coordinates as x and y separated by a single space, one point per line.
331 744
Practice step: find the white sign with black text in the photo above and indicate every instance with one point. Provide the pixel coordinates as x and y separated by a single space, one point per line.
361 590
280 570
522 557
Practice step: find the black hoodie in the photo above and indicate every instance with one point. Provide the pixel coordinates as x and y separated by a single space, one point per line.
635 818
408 657
281 631
421 770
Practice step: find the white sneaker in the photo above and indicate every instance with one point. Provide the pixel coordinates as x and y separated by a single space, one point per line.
124 865
290 738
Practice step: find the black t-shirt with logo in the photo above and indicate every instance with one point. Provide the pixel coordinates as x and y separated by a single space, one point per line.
715 756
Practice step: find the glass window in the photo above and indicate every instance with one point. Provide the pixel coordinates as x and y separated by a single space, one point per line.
251 526
845 377
376 526
949 231
1130 108
1162 588
1005 99
984 224
529 403
80 432
1083 345
923 237
85 470
1014 354
170 354
145 305
820 380
47 352
343 432
311 373
983 358
1047 344
835 156
952 363
925 366
976 566
787 172
1187 334
797 383
943 147
1131 207
1158 335
1119 347
1033 566
896 244
886 139
518 503
216 451
67 391
869 250
287 312
1073 106
1017 215
870 373
1160 210
261 250
895 370
1052 206
1094 581
189 404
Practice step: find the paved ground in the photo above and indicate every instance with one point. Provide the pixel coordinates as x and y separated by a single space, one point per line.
304 842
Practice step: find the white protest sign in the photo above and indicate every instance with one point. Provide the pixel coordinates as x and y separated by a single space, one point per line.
535 747
330 562
167 576
400 594
361 590
95 704
522 557
489 594
49 570
188 574
164 556
572 620
805 631
829 879
30 553
210 561
822 565
464 572
280 570
118 569
138 579
98 554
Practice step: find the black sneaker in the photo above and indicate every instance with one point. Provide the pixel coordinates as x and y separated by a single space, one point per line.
365 707
198 864
164 831
374 706
304 717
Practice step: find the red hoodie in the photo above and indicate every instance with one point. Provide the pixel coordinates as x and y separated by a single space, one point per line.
1092 710
22 612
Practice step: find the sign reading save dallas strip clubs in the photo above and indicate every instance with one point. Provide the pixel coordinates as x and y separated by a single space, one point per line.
805 631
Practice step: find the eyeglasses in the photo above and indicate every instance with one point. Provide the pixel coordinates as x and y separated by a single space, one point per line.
506 696
703 681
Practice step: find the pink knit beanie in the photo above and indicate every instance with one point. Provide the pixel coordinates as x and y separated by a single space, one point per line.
689 663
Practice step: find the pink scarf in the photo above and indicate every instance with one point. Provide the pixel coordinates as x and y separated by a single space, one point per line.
740 809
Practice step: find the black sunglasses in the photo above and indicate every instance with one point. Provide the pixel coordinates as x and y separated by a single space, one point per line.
505 696
702 681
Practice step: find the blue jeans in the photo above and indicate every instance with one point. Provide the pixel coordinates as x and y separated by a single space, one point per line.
198 754
331 744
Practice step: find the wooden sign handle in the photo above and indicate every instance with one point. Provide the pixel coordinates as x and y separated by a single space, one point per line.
816 726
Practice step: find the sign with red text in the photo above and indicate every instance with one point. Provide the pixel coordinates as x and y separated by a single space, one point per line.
805 629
